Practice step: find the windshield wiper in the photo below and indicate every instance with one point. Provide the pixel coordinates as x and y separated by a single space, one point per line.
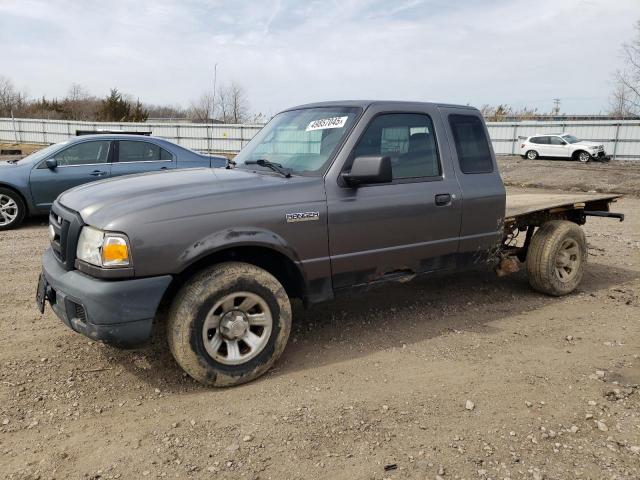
276 167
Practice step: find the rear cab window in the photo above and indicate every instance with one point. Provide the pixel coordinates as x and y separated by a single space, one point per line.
472 145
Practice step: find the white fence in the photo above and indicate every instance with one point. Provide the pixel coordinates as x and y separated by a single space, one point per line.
220 138
621 138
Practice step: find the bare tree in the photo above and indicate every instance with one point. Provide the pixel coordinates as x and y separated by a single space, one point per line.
223 104
77 92
11 100
233 103
496 114
625 98
79 104
504 111
166 111
620 103
237 103
204 109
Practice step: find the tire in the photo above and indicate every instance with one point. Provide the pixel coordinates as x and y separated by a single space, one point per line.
532 155
583 157
12 209
211 306
556 258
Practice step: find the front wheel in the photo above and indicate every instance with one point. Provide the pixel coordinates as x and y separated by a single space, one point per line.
229 324
532 154
556 258
584 157
12 209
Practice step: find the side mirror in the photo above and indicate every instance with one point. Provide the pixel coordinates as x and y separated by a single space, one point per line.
51 163
369 170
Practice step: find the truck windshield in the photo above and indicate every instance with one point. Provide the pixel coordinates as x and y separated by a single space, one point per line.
302 141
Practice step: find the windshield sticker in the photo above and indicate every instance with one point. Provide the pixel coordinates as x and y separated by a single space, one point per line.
324 123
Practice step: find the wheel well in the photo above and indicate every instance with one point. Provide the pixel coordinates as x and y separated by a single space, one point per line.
17 192
578 152
274 262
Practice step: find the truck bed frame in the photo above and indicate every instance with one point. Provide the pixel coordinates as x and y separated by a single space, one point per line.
528 209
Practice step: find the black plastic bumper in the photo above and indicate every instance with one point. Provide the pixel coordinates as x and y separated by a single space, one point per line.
119 312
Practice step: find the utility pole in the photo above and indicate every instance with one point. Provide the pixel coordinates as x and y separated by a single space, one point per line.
556 106
215 78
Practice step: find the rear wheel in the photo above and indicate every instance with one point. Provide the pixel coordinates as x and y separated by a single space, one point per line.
12 209
532 154
556 258
229 324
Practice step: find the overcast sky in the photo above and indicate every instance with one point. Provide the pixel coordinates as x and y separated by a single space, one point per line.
287 52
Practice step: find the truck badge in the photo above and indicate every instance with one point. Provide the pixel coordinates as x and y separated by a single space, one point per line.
302 216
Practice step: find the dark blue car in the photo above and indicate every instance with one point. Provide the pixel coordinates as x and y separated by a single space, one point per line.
30 185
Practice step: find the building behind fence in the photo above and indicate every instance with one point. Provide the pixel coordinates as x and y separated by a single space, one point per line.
621 138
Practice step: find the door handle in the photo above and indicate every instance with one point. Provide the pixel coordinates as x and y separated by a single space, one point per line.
443 199
98 173
163 168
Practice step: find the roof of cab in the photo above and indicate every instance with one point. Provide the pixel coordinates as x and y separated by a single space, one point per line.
368 103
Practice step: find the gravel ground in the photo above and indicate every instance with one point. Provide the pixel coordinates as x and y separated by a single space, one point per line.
462 377
615 176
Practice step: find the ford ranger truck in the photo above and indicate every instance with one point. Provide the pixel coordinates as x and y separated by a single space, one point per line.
325 199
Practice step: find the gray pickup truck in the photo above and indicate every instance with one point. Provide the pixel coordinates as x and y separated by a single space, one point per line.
326 198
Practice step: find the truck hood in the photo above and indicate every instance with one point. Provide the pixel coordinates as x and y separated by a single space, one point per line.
115 203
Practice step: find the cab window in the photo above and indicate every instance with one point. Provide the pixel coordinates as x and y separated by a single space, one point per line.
408 139
472 146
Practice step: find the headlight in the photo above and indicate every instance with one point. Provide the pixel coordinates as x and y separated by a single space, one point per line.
595 148
103 249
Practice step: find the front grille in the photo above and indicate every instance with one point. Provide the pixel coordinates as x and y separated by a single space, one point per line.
66 225
59 240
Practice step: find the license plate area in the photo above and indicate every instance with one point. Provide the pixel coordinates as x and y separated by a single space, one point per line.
41 292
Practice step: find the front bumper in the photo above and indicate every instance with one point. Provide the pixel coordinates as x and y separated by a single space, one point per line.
601 156
119 312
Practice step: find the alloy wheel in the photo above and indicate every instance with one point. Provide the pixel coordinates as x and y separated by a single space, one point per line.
237 328
8 210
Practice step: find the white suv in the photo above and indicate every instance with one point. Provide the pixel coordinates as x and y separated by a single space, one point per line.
561 145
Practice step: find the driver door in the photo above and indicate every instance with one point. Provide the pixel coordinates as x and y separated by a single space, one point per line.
80 163
408 226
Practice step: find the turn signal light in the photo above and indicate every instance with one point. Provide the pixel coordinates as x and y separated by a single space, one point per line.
115 252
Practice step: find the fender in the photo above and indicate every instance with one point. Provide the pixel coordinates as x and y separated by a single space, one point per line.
230 238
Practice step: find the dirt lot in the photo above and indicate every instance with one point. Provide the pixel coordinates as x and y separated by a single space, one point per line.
615 176
25 148
366 381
